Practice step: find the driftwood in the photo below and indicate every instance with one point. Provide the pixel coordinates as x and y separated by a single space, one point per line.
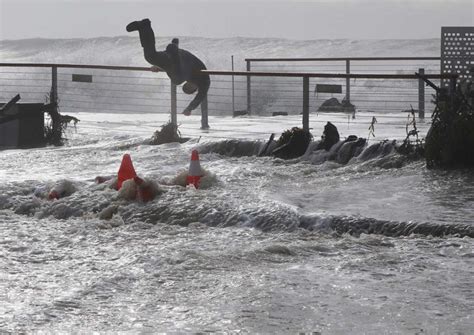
265 148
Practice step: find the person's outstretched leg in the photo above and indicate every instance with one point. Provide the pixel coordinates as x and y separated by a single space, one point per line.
147 39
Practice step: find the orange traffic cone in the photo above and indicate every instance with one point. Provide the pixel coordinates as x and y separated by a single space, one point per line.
145 191
195 172
126 171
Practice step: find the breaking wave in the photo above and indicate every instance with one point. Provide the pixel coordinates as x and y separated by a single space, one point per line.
185 206
351 150
215 52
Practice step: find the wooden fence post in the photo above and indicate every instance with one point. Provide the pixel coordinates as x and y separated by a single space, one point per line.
421 95
306 103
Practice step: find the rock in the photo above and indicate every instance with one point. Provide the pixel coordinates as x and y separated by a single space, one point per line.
239 113
331 105
329 138
280 114
292 143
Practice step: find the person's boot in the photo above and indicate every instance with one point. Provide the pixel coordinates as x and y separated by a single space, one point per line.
138 25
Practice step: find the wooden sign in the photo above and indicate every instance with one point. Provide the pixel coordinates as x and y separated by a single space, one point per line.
82 78
326 88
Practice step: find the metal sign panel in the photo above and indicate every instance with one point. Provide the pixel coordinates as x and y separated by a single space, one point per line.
82 78
457 52
326 88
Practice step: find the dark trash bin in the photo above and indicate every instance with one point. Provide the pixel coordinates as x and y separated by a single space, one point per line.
22 126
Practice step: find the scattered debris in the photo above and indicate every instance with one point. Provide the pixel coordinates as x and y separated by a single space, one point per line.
450 140
372 127
169 133
292 143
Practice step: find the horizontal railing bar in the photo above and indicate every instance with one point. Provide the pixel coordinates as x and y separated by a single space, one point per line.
113 109
326 75
78 66
247 73
326 59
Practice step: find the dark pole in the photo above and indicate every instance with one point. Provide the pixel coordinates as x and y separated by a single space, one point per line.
421 95
306 103
53 111
249 90
233 88
53 98
204 114
348 81
174 118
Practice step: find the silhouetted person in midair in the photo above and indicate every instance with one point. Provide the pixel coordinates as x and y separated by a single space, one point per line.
180 65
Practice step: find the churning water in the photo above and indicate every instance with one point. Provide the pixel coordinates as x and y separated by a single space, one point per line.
376 245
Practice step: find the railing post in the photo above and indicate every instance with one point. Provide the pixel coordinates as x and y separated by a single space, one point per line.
306 103
53 97
53 100
421 95
233 87
249 90
174 104
348 81
204 114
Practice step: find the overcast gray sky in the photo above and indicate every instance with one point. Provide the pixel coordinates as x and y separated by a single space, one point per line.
295 19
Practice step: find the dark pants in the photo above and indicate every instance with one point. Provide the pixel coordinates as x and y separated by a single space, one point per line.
180 65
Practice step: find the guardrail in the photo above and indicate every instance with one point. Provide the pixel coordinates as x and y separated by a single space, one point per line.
346 65
97 88
306 76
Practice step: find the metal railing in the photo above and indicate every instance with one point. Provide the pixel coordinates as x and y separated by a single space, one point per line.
348 65
126 89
